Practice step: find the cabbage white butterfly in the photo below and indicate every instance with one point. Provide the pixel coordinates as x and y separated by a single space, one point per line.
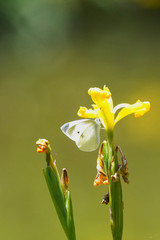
85 133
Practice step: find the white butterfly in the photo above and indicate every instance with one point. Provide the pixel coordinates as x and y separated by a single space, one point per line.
85 133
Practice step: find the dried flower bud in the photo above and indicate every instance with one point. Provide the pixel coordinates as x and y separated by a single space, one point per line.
105 199
101 177
42 145
64 179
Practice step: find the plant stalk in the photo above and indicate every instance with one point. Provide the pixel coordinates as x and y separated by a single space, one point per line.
115 191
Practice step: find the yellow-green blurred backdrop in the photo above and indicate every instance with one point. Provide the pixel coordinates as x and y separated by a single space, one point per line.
51 52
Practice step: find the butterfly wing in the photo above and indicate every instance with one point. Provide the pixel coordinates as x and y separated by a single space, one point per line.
85 133
90 138
74 129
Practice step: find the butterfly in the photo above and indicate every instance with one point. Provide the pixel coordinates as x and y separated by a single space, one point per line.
85 133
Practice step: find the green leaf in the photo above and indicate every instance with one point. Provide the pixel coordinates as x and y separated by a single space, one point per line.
70 220
62 201
106 155
57 196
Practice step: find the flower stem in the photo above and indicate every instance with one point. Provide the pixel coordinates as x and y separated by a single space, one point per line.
115 191
59 190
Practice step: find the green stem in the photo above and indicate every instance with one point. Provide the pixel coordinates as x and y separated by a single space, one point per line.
60 197
115 191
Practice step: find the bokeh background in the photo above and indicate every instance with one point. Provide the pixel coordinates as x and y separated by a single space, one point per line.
51 53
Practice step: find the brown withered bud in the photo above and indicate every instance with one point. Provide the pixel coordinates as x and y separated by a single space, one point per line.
101 177
64 179
42 145
105 199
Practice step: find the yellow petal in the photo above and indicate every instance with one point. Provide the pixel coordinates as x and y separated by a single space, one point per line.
103 99
139 109
87 113
142 109
98 95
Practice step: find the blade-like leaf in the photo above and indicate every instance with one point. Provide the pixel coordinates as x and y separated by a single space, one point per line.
57 196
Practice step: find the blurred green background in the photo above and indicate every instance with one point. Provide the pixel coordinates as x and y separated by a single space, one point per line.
51 53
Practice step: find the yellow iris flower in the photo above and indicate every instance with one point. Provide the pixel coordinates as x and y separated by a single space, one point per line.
104 110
